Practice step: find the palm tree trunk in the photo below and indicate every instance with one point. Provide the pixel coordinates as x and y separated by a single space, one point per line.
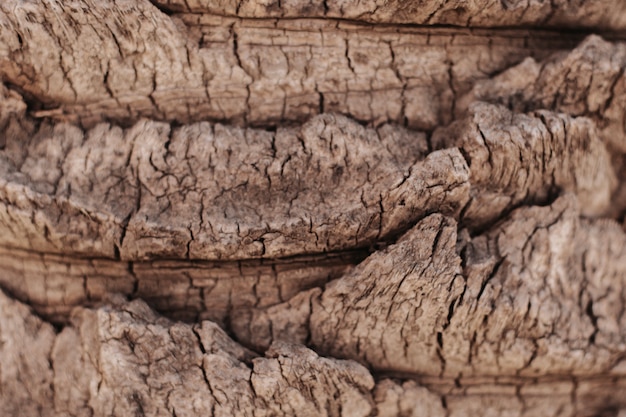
312 208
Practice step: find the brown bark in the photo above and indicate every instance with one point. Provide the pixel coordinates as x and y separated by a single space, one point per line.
126 360
533 294
125 60
604 14
312 208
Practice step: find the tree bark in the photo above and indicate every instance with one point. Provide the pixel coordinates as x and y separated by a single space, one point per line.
312 208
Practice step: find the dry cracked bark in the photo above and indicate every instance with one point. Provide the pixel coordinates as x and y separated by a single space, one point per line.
399 218
542 293
123 60
126 360
212 192
209 197
587 81
605 14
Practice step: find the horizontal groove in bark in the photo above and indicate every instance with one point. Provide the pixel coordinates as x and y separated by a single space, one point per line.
53 285
119 61
601 15
126 360
542 293
215 192
499 397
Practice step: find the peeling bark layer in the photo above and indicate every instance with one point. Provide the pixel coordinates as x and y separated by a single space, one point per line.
587 81
126 360
213 192
206 192
517 159
540 294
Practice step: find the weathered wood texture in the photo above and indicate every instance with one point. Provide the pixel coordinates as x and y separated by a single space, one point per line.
603 14
125 59
312 208
541 293
114 362
124 360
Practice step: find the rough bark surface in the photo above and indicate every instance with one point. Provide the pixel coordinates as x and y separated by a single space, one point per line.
335 208
486 13
126 360
541 293
126 59
212 192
